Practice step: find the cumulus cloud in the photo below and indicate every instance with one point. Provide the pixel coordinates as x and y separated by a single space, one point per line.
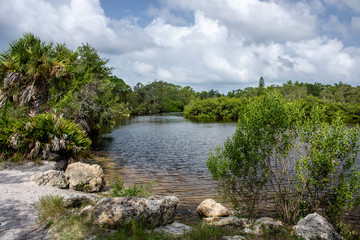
73 22
223 45
255 19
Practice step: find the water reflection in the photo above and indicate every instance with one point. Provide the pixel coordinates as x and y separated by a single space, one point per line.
166 148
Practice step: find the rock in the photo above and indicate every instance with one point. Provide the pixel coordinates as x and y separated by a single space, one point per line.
212 219
269 223
50 178
85 177
314 226
256 230
175 228
154 211
260 224
210 208
229 221
75 201
86 212
236 237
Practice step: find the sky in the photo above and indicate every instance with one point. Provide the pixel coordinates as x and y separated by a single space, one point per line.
206 44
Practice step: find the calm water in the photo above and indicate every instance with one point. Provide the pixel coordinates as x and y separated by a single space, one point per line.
171 150
166 148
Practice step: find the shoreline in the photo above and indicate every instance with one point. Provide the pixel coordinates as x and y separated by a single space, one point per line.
18 198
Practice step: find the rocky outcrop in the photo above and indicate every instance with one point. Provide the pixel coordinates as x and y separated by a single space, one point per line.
50 178
314 226
85 177
114 212
210 208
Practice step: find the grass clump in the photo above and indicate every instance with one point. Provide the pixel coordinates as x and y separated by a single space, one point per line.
137 190
135 231
50 208
203 231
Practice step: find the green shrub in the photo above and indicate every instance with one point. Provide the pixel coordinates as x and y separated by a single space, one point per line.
309 164
329 167
43 134
242 166
137 190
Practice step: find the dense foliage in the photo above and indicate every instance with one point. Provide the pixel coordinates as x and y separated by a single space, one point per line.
337 98
222 108
241 166
159 97
40 76
307 163
43 135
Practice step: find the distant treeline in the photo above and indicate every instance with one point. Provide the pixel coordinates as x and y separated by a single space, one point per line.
339 97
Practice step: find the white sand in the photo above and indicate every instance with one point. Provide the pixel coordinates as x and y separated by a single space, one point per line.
18 197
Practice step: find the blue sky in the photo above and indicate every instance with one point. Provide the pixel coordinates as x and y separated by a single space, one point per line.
206 44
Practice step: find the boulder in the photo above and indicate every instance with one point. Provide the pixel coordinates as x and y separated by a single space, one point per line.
227 221
85 177
175 228
210 208
314 226
153 211
50 178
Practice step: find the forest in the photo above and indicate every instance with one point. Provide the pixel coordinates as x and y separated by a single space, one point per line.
54 99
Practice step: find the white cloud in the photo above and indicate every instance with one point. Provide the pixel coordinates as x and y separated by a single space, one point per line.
227 44
73 22
255 19
354 4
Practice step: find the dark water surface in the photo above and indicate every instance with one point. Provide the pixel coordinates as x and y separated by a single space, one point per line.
167 148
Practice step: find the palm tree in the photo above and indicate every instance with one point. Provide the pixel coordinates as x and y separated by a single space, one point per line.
28 68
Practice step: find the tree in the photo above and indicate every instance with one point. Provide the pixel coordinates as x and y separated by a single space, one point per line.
88 102
261 83
27 70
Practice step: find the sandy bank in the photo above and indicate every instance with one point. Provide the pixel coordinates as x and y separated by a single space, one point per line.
17 201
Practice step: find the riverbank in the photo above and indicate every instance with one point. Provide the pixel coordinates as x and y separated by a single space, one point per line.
18 197
18 218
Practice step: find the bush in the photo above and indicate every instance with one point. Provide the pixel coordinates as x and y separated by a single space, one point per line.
329 167
242 165
308 163
43 134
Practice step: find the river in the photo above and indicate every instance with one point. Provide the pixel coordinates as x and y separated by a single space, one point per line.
167 148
